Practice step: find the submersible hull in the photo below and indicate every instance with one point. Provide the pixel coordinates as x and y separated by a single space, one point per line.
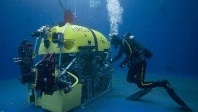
73 68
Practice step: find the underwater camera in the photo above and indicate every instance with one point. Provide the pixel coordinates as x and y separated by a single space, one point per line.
72 67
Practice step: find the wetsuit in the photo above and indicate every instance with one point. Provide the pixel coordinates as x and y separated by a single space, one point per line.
136 59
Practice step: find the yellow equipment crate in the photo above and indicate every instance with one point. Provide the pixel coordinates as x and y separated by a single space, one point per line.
61 102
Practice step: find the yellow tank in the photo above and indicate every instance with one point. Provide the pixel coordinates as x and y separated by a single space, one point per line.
74 36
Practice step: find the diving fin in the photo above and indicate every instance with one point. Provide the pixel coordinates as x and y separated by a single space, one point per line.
175 97
138 95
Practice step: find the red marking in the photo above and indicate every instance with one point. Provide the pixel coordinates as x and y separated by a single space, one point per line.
68 17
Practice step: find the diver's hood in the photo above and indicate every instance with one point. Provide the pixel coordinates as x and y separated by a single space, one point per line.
115 40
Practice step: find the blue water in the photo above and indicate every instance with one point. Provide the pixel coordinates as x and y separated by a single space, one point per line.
167 27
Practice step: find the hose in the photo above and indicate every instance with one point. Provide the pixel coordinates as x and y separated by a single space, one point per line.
76 78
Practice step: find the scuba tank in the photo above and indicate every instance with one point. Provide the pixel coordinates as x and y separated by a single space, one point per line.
137 47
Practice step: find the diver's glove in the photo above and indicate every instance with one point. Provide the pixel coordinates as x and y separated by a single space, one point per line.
121 65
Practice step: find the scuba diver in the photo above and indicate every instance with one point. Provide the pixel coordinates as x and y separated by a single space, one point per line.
136 60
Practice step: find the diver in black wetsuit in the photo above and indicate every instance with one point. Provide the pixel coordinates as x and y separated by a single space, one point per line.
136 60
